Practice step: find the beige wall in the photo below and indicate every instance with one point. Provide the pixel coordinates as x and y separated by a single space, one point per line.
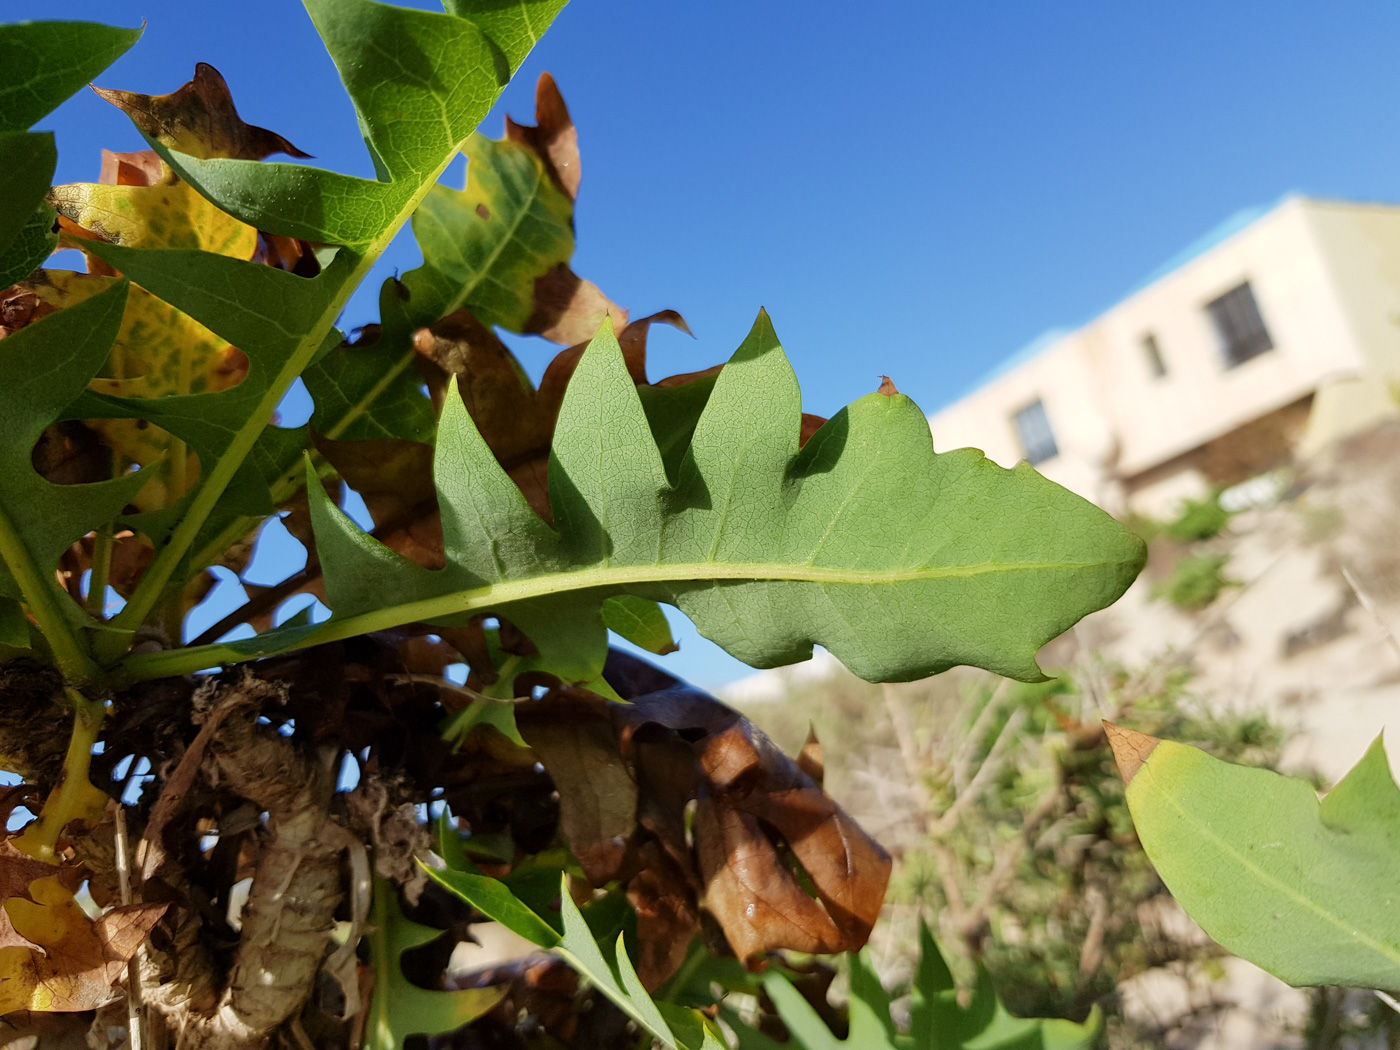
1062 378
1327 280
1360 245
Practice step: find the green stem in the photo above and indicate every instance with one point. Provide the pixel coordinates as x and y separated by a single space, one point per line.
75 794
378 1032
42 595
109 647
101 572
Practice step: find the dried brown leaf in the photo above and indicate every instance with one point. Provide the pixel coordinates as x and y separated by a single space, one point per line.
10 937
18 870
199 119
142 168
810 760
667 916
568 309
776 861
21 306
554 137
575 739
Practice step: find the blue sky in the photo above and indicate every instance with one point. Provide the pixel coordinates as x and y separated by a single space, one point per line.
916 189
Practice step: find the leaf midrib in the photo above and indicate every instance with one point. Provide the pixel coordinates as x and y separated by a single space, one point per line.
143 666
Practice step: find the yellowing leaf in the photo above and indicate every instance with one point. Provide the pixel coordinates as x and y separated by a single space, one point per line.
81 959
162 216
158 351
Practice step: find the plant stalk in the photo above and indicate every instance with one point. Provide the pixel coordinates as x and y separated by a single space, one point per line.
41 594
75 796
212 483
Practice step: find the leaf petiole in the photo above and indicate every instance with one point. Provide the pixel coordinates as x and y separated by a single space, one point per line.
75 795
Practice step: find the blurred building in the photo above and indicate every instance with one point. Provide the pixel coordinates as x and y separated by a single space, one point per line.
1272 336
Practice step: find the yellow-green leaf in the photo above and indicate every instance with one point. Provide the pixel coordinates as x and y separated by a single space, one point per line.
1304 888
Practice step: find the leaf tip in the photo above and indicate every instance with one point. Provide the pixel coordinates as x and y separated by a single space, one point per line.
1130 749
887 387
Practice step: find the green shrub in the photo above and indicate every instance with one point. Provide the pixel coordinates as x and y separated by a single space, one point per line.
1196 581
1199 520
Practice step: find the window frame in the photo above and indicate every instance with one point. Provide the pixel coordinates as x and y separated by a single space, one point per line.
1035 448
1238 342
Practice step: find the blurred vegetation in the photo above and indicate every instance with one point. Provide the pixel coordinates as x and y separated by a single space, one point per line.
1195 581
1199 520
1005 810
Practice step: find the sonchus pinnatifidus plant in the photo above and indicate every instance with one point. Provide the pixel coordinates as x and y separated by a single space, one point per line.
248 816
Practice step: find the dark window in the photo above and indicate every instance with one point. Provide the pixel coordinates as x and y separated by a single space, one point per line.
1150 350
1242 331
1033 429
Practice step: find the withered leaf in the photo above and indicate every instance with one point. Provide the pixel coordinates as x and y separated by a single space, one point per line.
575 739
554 136
199 119
18 870
761 818
667 916
569 309
810 760
10 938
142 168
79 961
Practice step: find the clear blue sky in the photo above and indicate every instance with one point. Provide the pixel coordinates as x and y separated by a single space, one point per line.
911 188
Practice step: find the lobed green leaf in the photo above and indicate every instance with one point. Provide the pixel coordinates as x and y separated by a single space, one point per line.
900 561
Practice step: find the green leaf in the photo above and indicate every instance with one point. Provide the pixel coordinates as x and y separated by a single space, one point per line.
42 63
901 562
14 628
493 899
513 28
270 314
44 367
34 243
484 246
672 413
641 622
577 946
936 1019
363 392
1303 889
27 162
400 1008
871 1027
420 83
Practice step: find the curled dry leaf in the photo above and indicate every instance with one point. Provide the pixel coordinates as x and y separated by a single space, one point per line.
810 759
199 119
760 816
142 168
